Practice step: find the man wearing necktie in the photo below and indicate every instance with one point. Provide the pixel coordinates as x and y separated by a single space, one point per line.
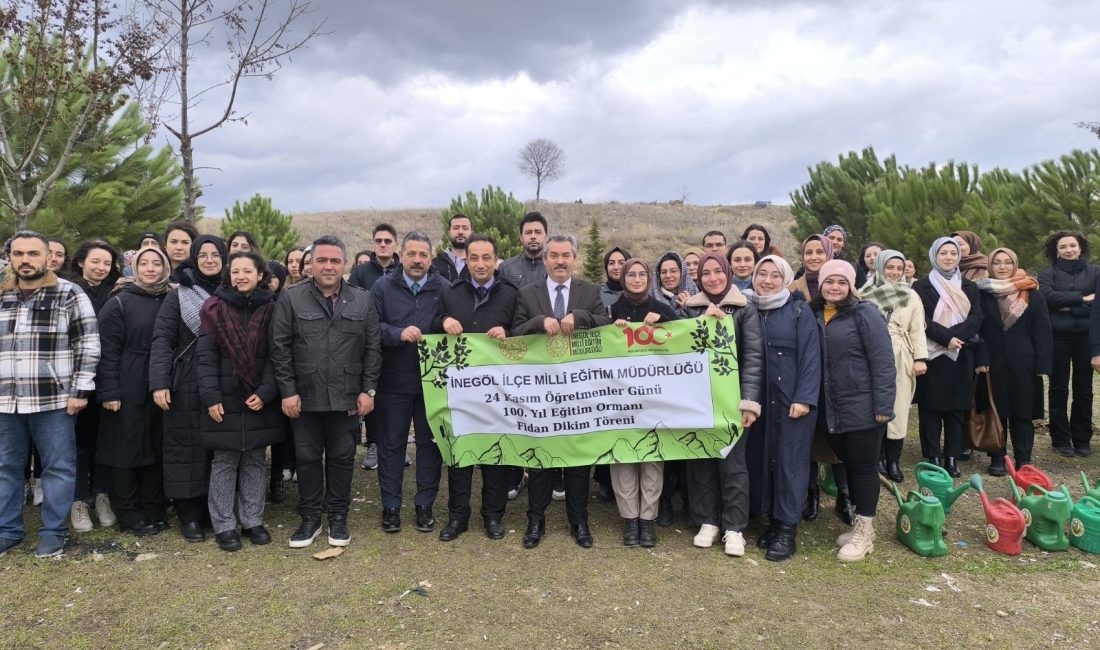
559 305
482 303
408 307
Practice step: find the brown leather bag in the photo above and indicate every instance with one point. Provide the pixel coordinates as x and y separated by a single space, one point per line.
983 426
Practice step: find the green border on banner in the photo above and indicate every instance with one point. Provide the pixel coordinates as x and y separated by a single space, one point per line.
712 340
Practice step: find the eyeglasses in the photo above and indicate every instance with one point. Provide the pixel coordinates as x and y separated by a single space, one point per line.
637 275
384 242
1002 263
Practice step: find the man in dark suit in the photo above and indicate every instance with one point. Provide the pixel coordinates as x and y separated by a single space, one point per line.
483 303
559 305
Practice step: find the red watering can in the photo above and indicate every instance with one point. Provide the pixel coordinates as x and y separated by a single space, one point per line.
1027 476
1004 522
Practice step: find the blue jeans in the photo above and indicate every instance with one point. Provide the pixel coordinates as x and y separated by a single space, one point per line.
52 433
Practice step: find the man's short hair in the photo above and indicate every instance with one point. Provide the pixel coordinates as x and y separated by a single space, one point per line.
533 217
27 234
712 233
384 227
417 235
329 240
476 237
570 239
458 215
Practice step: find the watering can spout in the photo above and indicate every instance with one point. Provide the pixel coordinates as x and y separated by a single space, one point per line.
1085 480
976 482
951 495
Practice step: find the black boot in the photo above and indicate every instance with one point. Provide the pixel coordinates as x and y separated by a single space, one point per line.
844 508
783 546
630 532
647 533
664 512
882 467
892 449
766 538
952 467
997 466
278 490
813 502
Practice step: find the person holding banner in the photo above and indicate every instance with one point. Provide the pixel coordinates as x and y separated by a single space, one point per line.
859 388
483 303
785 431
559 305
720 487
637 486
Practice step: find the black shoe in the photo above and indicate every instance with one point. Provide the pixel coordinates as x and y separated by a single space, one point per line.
893 472
192 532
307 531
767 537
230 540
891 449
952 467
881 467
338 534
844 508
630 532
813 502
664 512
258 535
424 520
278 491
1083 450
647 533
1065 450
938 462
997 466
783 546
453 529
604 493
162 525
536 528
141 529
391 520
967 454
494 528
581 534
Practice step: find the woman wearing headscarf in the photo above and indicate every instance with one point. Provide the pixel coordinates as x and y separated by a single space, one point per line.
129 442
1016 348
973 264
175 385
780 441
742 257
815 251
237 388
672 285
613 262
859 386
865 265
720 487
953 317
905 320
838 237
1069 287
638 486
692 255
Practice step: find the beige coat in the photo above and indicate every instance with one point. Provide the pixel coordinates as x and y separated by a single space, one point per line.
906 328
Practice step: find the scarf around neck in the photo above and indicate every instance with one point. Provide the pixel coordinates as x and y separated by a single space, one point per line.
953 306
887 295
225 318
1012 294
779 298
642 297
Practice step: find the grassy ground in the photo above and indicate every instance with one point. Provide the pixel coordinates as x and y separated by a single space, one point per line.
111 590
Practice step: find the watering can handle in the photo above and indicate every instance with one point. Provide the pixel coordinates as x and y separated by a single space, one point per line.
930 466
914 496
1036 486
1091 500
1085 480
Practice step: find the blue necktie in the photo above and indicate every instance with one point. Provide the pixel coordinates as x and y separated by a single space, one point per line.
415 288
559 303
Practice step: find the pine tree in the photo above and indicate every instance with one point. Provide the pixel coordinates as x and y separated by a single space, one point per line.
272 229
593 268
834 195
495 214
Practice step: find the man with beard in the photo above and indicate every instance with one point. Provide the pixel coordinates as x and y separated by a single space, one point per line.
527 267
560 304
450 263
49 348
407 303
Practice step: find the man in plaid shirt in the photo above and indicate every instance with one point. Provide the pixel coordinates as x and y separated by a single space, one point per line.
49 348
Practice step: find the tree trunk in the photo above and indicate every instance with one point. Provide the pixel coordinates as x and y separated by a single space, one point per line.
187 153
538 187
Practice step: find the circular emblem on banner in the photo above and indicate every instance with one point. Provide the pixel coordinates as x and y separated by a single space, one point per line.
557 345
905 525
991 533
513 349
1027 517
1077 527
927 492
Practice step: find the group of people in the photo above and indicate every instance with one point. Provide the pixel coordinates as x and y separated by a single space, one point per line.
168 381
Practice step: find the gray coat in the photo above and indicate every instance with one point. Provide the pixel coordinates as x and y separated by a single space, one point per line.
750 342
326 356
858 362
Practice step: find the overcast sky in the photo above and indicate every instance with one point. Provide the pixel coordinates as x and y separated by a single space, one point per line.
409 104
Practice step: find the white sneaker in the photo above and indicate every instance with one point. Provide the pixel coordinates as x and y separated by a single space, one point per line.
78 514
735 543
707 535
557 495
514 492
286 475
103 511
37 491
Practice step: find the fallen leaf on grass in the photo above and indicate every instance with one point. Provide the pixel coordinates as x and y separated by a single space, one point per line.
922 602
145 557
331 552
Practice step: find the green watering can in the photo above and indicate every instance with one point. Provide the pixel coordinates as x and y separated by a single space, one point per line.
826 479
1084 526
1046 514
934 481
920 523
1093 491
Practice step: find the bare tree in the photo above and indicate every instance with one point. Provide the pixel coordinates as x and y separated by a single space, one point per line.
256 43
544 160
64 65
1093 127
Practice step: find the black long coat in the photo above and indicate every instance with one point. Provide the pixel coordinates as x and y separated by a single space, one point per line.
129 437
948 385
1016 356
172 366
241 428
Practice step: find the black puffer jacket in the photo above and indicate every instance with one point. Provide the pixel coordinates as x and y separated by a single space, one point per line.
750 343
859 379
241 428
1064 284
